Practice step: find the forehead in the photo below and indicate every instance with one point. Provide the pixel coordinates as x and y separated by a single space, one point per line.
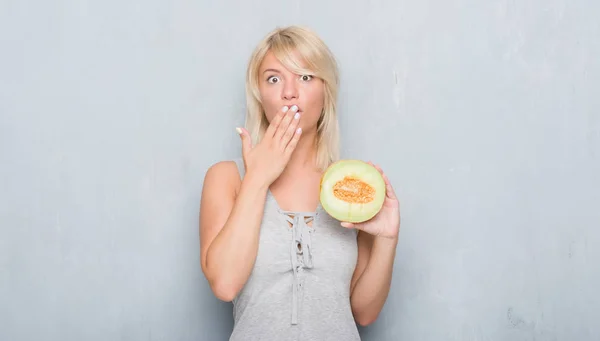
270 61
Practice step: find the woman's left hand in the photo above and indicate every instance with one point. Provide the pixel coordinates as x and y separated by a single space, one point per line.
386 223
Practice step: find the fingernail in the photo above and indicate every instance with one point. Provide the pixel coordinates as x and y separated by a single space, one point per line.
239 131
294 108
285 109
298 131
297 116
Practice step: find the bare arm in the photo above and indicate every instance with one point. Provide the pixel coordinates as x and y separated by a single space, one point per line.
377 241
230 224
372 277
229 228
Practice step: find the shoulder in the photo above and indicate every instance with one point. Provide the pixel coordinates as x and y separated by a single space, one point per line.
223 174
227 168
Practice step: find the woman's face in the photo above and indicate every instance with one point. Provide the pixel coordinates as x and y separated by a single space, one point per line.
280 88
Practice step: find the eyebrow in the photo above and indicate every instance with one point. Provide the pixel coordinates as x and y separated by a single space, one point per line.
271 70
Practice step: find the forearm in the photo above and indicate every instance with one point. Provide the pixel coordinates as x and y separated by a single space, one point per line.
372 288
230 257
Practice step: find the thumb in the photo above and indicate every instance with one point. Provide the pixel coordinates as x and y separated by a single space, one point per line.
348 225
246 140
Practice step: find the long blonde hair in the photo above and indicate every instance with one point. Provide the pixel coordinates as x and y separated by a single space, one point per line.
321 63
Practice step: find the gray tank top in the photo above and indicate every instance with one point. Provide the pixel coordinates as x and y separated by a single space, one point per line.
299 288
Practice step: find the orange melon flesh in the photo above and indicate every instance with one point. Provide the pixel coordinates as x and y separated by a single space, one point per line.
352 191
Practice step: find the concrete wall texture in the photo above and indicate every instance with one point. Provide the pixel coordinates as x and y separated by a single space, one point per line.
485 115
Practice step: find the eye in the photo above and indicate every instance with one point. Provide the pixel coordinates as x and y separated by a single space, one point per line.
273 79
306 78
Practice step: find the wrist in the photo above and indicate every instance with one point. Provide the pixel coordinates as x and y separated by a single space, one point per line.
255 183
387 242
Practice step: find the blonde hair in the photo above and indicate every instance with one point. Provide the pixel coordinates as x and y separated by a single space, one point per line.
321 63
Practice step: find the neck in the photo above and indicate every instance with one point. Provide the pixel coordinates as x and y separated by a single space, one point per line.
305 153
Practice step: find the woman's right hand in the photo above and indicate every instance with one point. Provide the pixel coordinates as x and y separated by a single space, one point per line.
266 160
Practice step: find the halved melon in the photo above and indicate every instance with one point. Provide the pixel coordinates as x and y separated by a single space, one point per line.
352 191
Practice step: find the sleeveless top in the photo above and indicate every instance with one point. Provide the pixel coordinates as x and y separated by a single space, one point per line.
299 288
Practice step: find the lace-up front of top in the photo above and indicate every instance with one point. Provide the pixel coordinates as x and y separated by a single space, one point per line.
300 255
299 288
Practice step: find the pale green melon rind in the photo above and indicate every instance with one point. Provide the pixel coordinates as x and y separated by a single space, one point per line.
344 211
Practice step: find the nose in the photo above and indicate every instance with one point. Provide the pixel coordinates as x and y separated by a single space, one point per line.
290 90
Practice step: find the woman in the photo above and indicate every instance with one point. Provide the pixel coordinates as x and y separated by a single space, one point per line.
292 271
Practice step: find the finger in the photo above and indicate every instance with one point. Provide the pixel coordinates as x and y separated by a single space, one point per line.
388 188
291 130
275 122
246 140
293 142
376 167
285 123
